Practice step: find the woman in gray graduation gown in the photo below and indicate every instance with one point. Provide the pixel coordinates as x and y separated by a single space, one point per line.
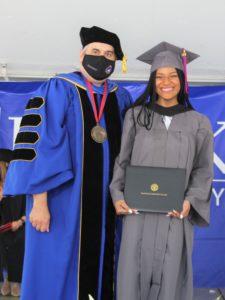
163 130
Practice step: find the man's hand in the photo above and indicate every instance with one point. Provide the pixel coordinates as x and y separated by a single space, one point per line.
39 215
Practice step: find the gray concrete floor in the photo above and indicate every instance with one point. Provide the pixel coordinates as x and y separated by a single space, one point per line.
199 294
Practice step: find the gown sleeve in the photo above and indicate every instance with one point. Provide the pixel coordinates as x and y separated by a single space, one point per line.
41 156
123 159
200 183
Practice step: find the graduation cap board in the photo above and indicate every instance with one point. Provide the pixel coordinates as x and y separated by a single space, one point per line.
166 55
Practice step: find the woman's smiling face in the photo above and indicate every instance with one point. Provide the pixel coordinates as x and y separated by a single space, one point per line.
167 86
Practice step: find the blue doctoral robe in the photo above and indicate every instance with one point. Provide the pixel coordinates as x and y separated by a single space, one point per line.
54 152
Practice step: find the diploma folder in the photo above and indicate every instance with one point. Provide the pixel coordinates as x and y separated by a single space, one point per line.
154 189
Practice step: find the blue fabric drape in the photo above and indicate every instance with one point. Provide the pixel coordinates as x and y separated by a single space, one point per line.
209 243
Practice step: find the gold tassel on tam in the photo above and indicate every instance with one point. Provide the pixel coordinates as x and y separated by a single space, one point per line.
124 64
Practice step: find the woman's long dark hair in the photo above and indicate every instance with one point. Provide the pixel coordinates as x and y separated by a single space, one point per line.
149 97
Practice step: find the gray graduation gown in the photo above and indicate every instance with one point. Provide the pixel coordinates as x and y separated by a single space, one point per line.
155 261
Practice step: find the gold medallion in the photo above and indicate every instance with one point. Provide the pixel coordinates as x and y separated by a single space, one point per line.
98 134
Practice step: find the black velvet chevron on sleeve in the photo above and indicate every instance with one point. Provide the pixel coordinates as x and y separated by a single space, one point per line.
24 154
35 103
27 137
31 120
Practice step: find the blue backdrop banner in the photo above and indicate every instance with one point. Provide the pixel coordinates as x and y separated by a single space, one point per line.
209 243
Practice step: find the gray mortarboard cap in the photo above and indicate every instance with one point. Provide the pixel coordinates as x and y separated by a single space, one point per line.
166 55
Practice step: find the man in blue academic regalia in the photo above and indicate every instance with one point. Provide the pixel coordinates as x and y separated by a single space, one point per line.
63 159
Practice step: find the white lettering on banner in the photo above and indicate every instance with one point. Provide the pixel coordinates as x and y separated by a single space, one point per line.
218 195
217 160
222 128
219 163
16 126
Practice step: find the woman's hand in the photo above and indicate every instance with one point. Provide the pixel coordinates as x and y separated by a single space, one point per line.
184 213
39 215
123 209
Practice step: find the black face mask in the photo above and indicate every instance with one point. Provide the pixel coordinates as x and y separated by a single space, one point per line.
98 67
